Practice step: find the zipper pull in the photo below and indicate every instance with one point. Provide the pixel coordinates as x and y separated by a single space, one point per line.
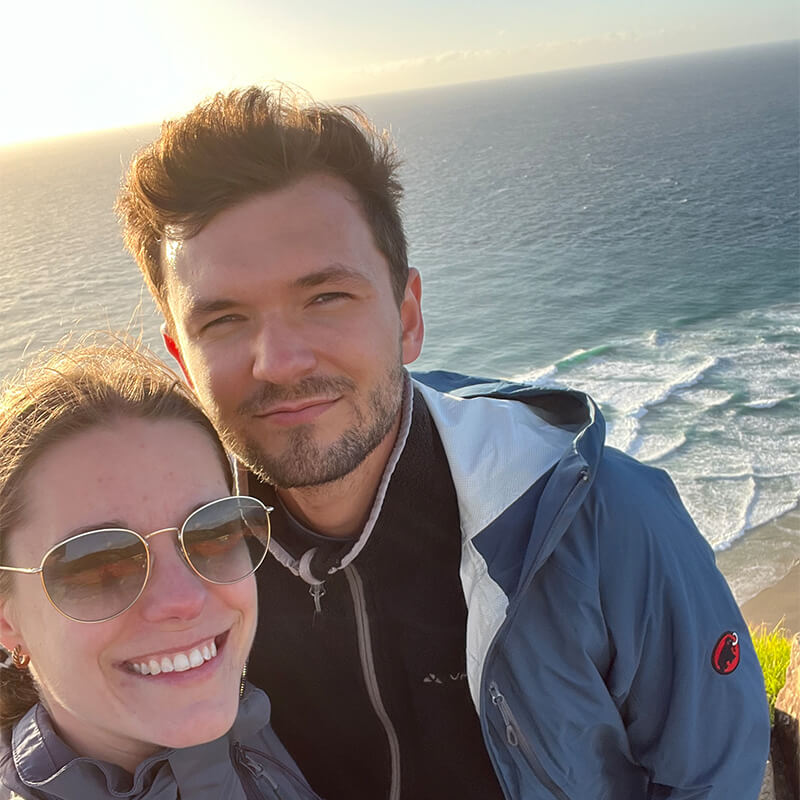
317 591
500 701
245 760
242 758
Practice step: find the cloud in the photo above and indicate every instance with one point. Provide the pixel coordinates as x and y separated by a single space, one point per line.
497 53
502 60
423 62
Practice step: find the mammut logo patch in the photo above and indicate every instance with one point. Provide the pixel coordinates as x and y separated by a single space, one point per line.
725 656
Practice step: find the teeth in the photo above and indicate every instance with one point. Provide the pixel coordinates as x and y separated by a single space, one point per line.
177 662
181 662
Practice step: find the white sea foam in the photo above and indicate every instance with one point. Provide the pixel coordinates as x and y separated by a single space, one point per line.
659 338
658 446
540 377
622 433
713 406
706 398
769 402
721 509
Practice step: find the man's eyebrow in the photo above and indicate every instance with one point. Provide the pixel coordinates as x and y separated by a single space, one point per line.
330 274
200 308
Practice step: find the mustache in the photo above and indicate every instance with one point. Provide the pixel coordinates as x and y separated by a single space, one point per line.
270 394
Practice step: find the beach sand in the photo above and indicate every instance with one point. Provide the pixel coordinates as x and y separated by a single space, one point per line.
777 605
763 570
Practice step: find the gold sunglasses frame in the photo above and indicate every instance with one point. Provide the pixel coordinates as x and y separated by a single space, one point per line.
143 538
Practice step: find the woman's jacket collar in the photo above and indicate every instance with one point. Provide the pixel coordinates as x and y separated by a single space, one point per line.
45 763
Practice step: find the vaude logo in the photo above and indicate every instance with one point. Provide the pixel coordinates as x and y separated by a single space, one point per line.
450 677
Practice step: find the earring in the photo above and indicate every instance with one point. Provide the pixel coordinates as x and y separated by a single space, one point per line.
20 659
243 680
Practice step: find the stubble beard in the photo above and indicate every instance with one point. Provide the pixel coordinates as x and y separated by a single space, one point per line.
303 462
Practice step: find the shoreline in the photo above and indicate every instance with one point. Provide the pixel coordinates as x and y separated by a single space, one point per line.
777 605
763 571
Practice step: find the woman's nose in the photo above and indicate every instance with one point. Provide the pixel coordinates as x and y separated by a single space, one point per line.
173 590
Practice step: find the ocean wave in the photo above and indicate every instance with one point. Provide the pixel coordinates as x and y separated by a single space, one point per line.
710 404
579 356
707 399
712 477
622 433
656 447
770 402
774 514
659 338
722 510
539 377
684 380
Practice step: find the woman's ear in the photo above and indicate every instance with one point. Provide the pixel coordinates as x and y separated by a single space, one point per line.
10 635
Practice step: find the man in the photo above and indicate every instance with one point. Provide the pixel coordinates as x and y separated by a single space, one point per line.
470 596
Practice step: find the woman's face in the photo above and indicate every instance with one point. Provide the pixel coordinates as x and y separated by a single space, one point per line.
144 475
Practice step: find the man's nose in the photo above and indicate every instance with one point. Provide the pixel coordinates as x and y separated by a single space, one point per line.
283 352
174 591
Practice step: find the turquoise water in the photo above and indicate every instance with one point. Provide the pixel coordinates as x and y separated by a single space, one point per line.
630 230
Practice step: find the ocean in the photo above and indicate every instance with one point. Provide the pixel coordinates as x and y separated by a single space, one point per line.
630 230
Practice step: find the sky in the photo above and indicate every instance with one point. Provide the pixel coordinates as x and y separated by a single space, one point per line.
83 65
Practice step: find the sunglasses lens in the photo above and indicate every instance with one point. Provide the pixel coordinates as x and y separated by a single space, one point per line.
96 576
227 540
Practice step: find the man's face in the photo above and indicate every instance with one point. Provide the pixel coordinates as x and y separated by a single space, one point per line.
286 324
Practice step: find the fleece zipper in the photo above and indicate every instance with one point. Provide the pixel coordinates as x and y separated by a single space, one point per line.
370 676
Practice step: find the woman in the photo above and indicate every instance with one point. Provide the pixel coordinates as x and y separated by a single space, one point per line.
127 594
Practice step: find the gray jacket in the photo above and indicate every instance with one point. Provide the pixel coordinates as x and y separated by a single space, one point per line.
249 763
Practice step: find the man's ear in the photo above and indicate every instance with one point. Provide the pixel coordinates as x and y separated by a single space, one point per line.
411 317
175 352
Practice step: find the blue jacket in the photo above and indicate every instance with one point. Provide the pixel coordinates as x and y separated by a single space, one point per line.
606 655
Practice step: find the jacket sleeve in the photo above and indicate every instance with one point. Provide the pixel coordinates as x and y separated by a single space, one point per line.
684 673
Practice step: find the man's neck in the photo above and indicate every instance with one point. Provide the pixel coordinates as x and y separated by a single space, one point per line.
340 508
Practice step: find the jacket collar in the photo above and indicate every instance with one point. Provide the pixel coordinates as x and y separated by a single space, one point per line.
509 446
45 763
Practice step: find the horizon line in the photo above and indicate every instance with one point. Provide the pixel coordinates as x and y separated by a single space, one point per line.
13 143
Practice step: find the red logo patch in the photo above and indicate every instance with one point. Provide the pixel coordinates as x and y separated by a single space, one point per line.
725 656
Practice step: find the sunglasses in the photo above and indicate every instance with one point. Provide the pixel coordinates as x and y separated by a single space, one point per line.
98 575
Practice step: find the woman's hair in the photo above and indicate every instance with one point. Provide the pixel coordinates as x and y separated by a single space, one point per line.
64 392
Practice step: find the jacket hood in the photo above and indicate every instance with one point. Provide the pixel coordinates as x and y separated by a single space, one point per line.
490 443
568 409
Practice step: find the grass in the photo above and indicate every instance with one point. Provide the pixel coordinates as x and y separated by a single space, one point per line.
773 649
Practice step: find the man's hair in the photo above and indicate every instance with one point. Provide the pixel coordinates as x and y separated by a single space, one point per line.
63 393
235 146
